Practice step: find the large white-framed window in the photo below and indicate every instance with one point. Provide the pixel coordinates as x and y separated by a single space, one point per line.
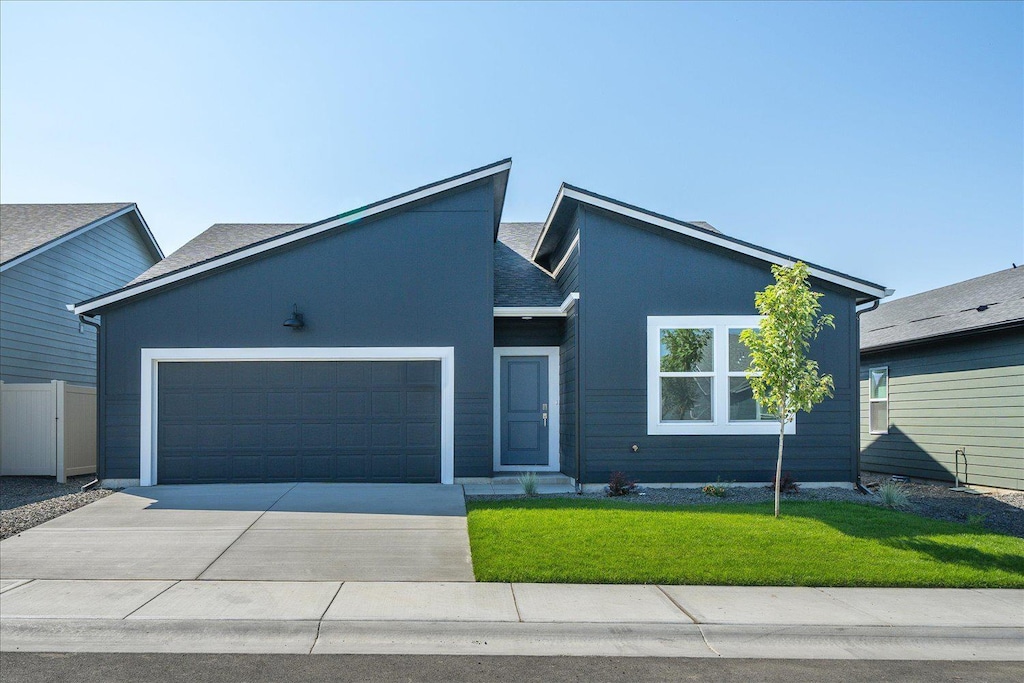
697 377
878 400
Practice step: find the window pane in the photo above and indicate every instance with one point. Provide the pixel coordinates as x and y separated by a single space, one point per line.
879 382
687 350
742 405
739 354
878 417
686 398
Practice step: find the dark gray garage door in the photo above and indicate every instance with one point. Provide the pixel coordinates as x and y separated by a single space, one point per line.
258 421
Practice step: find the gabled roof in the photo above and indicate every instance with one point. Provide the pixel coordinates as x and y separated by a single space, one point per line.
218 239
193 268
569 197
982 303
518 281
29 229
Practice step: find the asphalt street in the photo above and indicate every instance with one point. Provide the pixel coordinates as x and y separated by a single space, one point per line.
145 668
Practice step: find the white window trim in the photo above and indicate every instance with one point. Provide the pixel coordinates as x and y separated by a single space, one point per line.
720 423
151 359
554 439
872 429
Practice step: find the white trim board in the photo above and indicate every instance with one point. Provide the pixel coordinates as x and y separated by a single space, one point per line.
554 423
132 208
711 238
151 359
294 236
560 311
720 422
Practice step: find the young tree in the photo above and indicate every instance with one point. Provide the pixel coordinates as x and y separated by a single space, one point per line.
783 379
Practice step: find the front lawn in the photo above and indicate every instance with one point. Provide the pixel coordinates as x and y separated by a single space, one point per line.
568 540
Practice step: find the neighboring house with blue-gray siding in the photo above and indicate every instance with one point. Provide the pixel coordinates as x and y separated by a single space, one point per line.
942 383
52 255
420 339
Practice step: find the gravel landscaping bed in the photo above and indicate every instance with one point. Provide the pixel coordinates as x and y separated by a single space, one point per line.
1000 512
28 501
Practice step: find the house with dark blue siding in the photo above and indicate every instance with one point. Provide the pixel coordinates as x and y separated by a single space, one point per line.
421 339
52 255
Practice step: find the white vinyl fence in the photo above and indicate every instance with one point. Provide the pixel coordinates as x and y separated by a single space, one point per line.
47 430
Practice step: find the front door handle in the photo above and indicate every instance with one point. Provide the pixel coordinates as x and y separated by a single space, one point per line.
545 416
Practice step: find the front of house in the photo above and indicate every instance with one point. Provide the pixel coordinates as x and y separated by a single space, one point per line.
419 339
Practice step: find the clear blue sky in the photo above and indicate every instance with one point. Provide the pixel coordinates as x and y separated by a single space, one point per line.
883 140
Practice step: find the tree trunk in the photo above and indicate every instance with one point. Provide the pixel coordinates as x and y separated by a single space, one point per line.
778 465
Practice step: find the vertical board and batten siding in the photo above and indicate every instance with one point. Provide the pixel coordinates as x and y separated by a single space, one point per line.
943 396
41 340
419 277
47 429
629 272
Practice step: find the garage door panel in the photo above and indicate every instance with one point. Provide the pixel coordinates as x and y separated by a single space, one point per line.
352 403
353 435
317 404
295 420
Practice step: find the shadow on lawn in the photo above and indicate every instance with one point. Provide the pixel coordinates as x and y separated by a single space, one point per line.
985 561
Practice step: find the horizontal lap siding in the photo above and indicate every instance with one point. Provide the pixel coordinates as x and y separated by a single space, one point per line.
40 338
631 272
963 394
387 282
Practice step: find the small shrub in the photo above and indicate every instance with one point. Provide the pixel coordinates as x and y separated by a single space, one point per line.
787 484
893 495
717 490
620 485
529 483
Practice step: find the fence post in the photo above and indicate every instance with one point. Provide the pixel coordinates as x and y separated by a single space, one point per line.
58 388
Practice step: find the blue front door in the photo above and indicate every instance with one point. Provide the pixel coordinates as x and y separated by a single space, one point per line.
524 410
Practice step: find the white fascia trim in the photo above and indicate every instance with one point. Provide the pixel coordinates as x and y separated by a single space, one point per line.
568 252
547 222
720 423
554 432
151 359
69 236
149 233
291 237
710 238
560 311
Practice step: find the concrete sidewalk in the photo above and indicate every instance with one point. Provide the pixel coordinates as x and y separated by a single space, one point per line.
523 619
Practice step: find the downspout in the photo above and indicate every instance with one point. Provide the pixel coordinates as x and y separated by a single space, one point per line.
874 304
576 412
92 322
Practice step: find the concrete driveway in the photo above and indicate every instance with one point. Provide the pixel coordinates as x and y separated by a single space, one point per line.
254 532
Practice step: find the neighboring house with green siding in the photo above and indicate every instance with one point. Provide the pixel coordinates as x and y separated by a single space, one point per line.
52 255
941 372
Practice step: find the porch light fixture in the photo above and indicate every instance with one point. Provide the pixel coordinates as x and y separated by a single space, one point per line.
295 322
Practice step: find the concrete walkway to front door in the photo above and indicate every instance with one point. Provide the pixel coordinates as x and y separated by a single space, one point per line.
253 532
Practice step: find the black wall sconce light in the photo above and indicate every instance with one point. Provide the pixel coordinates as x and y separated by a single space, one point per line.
295 322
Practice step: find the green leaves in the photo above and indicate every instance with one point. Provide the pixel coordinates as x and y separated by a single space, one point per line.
788 381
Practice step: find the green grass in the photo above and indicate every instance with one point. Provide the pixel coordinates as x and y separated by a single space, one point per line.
812 544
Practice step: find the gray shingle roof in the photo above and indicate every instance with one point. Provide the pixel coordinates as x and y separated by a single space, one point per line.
947 310
24 227
216 240
517 280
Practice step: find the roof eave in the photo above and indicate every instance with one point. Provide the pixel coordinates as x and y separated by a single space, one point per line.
945 336
498 168
868 291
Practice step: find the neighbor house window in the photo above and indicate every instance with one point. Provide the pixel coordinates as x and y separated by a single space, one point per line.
697 379
878 400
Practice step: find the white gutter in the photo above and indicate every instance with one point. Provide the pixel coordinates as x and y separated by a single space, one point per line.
561 311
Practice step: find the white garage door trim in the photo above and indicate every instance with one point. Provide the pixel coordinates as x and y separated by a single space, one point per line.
151 359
